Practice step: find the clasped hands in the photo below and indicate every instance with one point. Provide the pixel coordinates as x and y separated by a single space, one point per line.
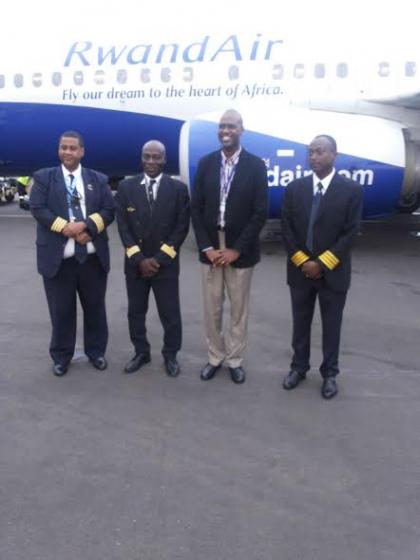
77 231
312 270
222 257
149 267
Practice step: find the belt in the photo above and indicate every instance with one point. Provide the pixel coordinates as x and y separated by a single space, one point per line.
221 228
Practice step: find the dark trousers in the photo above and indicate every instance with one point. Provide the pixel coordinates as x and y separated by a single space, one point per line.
331 305
89 281
166 292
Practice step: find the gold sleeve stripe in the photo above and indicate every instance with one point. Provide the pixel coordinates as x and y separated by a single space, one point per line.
130 251
299 258
99 223
168 250
329 259
58 225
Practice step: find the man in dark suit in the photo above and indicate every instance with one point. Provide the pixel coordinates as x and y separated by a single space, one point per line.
73 206
320 219
153 215
229 209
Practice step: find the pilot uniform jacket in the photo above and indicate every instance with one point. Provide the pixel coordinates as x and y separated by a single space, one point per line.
64 278
246 207
334 230
158 233
48 203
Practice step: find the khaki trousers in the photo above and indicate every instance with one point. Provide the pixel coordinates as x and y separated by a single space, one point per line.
227 346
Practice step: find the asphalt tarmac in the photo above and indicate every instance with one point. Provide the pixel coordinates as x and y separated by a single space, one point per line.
105 466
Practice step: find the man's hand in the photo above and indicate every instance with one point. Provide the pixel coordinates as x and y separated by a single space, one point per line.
73 229
312 270
222 257
228 256
214 256
83 238
149 267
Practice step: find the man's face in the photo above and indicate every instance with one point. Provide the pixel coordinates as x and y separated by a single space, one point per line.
321 156
70 152
153 160
230 131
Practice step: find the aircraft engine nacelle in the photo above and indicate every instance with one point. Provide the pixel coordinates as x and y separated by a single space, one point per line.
372 151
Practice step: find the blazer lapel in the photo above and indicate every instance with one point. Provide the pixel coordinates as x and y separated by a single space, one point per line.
240 173
89 192
307 194
214 177
161 195
61 191
140 200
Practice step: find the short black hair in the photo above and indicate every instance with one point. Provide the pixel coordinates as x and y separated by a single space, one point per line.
73 134
330 139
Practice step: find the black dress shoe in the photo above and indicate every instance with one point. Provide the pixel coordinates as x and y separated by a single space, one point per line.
292 379
329 388
99 363
237 374
135 363
60 369
172 367
209 371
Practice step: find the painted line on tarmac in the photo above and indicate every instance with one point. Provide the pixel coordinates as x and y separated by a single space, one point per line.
14 216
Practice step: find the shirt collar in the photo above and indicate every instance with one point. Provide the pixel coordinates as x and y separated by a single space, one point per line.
234 158
325 181
146 179
76 173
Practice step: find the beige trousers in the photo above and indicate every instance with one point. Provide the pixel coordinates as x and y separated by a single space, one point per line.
227 346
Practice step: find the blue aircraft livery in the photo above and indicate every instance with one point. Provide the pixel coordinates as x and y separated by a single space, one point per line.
122 89
287 160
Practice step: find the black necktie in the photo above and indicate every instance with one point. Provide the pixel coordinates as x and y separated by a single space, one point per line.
150 193
75 212
316 200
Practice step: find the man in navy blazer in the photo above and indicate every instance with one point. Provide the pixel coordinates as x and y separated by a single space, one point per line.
229 209
153 215
320 220
73 206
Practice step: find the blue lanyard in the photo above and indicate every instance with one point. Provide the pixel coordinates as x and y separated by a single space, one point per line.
225 180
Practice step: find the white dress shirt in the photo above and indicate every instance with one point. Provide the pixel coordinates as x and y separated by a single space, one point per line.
325 181
146 180
78 182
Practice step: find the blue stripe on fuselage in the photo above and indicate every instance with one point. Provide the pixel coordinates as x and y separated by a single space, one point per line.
29 134
380 196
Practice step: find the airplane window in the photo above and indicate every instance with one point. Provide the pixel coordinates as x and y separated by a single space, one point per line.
410 69
18 80
78 77
165 74
299 71
56 78
99 77
122 76
383 69
233 73
188 74
37 79
2 81
342 70
145 75
278 71
319 70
